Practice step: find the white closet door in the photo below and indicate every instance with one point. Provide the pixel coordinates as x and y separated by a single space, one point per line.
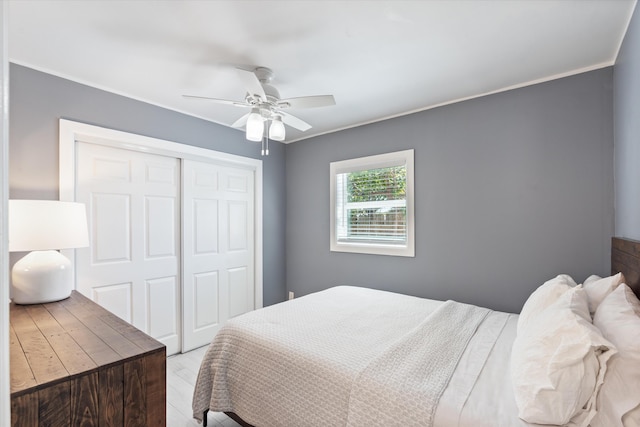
133 265
218 250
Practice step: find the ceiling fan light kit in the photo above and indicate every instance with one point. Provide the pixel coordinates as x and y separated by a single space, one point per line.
276 129
266 105
255 125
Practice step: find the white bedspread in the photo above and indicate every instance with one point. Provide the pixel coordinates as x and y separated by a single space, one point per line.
297 363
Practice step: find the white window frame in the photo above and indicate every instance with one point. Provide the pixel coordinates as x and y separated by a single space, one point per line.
374 162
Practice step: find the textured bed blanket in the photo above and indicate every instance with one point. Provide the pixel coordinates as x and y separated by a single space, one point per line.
403 385
341 355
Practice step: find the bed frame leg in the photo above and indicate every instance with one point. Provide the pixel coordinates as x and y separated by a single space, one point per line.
204 417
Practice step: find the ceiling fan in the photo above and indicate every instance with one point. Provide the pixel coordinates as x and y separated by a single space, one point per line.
266 105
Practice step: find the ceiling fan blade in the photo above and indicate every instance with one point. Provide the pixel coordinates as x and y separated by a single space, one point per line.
241 121
219 101
307 102
294 122
251 82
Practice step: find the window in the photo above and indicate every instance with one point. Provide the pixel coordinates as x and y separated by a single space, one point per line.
372 205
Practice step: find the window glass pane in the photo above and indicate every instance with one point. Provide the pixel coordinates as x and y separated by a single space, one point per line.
371 205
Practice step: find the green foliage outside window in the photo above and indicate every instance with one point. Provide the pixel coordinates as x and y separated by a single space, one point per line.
377 184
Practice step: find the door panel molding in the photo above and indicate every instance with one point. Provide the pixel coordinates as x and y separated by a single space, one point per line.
116 298
217 237
136 233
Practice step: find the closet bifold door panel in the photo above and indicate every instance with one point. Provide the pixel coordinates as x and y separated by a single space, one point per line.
218 248
132 267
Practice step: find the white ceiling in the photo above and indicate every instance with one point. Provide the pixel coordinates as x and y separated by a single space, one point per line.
379 59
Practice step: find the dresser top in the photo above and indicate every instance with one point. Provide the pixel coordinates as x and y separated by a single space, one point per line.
56 341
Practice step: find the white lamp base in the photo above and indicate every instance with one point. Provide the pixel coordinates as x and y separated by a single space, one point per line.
41 276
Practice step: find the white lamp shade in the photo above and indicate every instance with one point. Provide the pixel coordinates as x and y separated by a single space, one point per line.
36 225
255 126
276 130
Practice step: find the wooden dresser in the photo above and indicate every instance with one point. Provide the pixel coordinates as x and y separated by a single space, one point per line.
73 363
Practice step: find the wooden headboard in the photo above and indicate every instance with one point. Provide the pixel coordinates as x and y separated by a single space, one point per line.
625 258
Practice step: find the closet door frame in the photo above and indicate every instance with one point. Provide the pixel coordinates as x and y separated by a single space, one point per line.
70 132
5 393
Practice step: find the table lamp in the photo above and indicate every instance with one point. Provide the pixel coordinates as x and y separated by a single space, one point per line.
43 227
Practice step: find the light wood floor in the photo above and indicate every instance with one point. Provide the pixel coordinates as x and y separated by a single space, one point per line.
182 370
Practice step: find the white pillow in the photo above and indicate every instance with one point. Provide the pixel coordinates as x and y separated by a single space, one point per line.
598 288
558 363
632 418
591 279
618 318
543 297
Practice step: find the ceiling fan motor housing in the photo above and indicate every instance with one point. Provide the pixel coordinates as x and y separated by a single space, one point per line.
265 76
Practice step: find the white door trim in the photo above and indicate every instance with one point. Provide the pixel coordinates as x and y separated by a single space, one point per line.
5 406
71 131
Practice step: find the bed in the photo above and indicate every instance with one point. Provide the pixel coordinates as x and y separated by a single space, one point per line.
347 356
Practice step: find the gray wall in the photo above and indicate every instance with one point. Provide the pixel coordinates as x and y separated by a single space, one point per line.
39 100
511 190
626 78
